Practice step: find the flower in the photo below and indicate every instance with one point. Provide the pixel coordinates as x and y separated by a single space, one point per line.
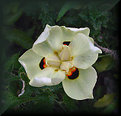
63 54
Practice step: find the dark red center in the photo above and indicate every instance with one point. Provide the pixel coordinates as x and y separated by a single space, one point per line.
66 43
73 73
42 63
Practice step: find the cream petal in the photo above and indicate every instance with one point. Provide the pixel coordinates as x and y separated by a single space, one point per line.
79 45
59 34
85 60
81 87
48 77
43 49
30 61
83 51
82 43
70 33
43 36
57 77
52 35
39 82
85 30
41 45
94 48
55 38
56 35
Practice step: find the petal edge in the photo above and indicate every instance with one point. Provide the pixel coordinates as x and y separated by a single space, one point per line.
82 87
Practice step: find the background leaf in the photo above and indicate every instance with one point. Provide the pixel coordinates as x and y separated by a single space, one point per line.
104 63
80 4
19 37
12 63
104 101
70 105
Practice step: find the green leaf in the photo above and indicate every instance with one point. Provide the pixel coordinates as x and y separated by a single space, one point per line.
12 62
70 104
99 92
104 63
47 14
106 5
104 101
41 100
110 108
67 6
102 5
19 37
12 12
95 4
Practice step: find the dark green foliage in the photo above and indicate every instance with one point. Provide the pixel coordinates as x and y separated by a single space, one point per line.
23 21
101 5
12 63
18 37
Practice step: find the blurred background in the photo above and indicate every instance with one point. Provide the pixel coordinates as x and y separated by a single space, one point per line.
22 21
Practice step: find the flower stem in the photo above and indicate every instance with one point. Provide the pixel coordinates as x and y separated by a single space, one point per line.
108 51
23 88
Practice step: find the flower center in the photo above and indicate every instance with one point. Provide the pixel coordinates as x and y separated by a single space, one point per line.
65 53
65 66
61 60
53 61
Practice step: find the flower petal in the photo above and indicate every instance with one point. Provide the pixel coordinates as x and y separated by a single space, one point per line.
43 36
56 35
81 87
43 49
79 45
83 51
52 35
85 30
61 34
85 60
30 61
49 76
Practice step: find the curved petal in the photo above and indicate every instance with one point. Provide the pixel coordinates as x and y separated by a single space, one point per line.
56 35
83 51
85 60
43 36
30 61
52 35
94 48
49 76
43 49
84 30
79 45
81 87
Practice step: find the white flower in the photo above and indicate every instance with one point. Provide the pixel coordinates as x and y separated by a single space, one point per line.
62 54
